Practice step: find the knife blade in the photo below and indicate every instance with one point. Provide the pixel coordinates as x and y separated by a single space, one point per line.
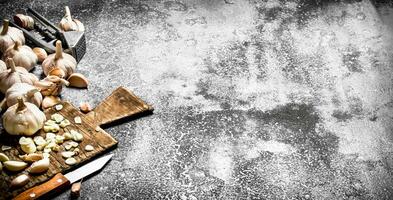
60 181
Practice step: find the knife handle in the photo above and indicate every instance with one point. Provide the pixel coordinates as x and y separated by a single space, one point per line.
57 182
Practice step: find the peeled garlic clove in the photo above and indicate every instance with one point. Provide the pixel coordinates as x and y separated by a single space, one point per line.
20 181
39 166
32 157
14 166
67 154
78 80
41 53
50 101
85 107
3 157
89 147
70 161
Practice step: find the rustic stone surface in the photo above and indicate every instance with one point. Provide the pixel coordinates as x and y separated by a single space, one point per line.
259 100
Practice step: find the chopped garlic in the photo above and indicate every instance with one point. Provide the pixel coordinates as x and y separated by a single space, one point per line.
78 120
67 136
67 147
49 123
65 123
70 161
58 107
47 150
39 140
50 136
57 117
89 147
59 139
76 136
67 154
74 144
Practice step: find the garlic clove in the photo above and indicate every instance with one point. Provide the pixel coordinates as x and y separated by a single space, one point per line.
1 167
14 166
27 145
31 157
41 53
50 101
78 80
57 72
3 157
20 181
39 166
85 107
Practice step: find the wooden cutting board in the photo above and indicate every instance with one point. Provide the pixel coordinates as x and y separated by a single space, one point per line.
120 104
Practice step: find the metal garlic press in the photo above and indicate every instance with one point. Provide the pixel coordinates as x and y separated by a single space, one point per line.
45 34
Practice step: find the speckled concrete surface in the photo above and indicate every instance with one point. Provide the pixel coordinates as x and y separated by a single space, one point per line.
253 99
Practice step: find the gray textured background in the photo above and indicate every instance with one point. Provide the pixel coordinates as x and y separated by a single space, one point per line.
253 100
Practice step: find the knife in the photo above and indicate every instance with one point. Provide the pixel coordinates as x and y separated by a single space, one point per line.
59 180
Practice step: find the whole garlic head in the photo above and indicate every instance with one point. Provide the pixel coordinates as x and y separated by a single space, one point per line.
28 92
22 55
59 64
9 35
69 24
15 75
23 118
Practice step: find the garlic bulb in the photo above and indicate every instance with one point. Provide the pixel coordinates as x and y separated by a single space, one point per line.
24 21
9 35
15 75
28 92
51 85
23 56
40 53
69 24
59 61
23 118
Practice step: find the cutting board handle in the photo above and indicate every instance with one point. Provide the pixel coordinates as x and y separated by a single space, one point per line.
57 182
120 104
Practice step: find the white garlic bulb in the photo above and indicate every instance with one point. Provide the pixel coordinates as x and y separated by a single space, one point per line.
23 118
22 55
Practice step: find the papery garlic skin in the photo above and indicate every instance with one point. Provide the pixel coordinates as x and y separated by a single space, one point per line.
9 35
22 55
15 75
3 66
28 92
23 118
59 60
69 24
